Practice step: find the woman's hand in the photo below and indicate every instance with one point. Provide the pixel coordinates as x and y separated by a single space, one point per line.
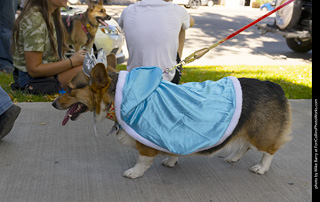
78 57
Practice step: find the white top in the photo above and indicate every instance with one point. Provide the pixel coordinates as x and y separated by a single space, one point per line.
152 30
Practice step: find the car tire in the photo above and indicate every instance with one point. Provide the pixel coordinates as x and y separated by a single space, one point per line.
73 2
210 3
288 17
121 60
194 4
298 45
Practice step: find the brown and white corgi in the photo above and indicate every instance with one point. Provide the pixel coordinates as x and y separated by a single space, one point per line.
264 122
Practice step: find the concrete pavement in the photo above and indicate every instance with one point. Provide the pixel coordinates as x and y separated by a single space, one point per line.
42 161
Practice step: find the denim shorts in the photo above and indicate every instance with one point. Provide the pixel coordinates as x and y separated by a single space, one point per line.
23 79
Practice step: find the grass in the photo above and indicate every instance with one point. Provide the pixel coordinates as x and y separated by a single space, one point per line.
296 80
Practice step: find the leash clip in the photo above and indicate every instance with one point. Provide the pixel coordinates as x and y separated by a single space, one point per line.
115 128
166 71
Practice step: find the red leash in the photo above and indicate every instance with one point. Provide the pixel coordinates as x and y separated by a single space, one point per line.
255 22
199 53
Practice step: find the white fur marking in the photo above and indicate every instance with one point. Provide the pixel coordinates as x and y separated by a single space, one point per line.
264 165
171 161
143 163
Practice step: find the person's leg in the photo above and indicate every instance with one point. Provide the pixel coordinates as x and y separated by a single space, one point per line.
5 101
7 16
8 113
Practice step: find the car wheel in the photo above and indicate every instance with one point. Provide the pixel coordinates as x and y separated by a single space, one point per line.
210 3
298 45
288 17
194 4
73 2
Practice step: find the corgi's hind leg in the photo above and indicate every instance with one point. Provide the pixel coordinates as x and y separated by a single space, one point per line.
237 155
264 165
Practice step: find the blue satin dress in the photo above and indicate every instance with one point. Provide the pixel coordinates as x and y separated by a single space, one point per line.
179 119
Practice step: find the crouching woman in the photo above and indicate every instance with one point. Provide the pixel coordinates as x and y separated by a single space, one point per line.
38 45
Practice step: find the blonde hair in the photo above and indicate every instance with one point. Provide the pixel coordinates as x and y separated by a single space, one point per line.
44 6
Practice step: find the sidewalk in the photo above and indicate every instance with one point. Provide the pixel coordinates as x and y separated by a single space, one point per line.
42 161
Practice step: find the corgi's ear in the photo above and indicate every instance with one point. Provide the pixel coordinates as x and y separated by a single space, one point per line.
99 77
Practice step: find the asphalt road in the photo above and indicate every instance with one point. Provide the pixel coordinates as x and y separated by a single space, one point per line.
249 47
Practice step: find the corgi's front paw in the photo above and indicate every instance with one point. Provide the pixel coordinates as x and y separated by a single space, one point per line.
132 173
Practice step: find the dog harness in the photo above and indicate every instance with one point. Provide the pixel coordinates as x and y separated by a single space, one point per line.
68 21
179 119
89 36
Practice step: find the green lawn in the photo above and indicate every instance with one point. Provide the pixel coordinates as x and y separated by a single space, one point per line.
295 79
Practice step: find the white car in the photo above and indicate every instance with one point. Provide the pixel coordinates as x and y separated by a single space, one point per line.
108 37
195 3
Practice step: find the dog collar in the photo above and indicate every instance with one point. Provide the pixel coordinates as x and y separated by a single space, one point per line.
111 115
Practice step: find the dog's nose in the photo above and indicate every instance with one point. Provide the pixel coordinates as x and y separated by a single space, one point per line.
55 104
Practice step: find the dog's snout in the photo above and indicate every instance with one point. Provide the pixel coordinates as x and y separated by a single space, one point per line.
108 17
55 104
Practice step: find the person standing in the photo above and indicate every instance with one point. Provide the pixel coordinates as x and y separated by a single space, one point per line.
8 111
7 17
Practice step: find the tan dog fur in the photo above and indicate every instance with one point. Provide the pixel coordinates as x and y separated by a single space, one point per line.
78 37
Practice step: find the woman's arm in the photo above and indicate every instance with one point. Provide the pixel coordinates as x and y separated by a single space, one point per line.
36 68
191 21
182 37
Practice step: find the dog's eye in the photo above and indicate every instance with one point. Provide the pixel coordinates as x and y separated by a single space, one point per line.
102 11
